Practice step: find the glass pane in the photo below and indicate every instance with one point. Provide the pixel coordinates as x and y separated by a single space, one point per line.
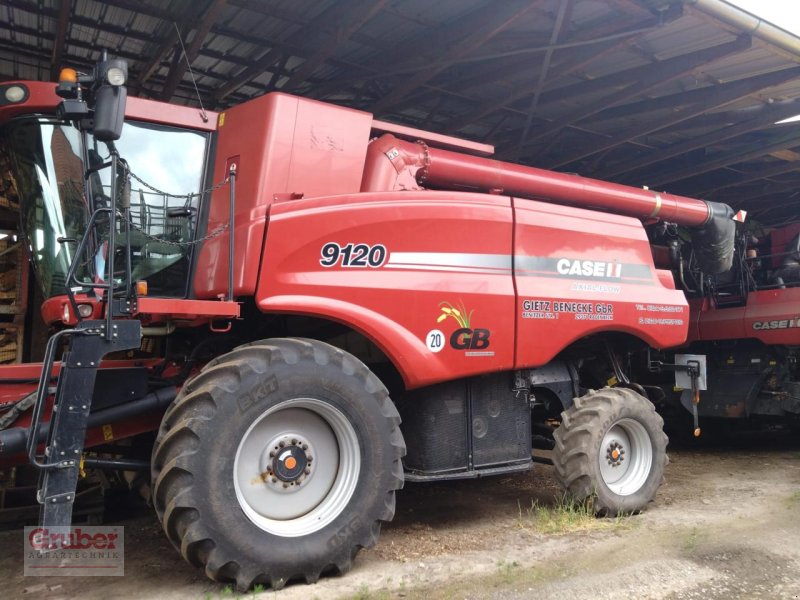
170 162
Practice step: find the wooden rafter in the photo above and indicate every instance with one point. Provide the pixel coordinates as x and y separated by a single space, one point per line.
210 15
739 154
61 37
340 22
453 43
713 97
577 60
763 119
656 76
751 176
348 23
560 27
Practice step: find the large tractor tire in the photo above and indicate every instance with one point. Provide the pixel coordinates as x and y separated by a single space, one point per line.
611 448
277 462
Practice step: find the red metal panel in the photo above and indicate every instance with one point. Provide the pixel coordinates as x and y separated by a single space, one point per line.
287 145
42 98
771 316
580 272
446 269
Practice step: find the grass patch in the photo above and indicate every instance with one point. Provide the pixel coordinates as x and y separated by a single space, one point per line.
364 593
507 570
565 516
690 541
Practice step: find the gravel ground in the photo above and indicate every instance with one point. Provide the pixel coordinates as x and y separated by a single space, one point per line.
725 525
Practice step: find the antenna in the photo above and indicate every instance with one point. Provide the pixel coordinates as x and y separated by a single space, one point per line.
203 114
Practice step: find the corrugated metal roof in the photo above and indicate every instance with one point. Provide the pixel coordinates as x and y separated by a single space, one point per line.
622 94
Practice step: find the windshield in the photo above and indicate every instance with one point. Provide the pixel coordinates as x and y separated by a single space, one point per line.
47 171
46 164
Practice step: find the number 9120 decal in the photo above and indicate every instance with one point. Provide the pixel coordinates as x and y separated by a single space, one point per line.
352 255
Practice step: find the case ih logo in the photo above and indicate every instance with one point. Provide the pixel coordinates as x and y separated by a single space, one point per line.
589 268
782 324
474 341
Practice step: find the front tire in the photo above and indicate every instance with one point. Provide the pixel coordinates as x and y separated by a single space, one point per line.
278 461
611 447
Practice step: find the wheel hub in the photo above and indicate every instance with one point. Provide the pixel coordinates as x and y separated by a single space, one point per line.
288 460
615 454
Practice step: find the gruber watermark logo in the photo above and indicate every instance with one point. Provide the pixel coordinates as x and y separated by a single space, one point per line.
83 551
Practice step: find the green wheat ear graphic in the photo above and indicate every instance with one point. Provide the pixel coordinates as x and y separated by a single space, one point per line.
459 313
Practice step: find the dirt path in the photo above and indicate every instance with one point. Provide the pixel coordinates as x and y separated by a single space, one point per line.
725 525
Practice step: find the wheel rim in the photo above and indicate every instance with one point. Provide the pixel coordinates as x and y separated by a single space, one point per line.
626 457
297 467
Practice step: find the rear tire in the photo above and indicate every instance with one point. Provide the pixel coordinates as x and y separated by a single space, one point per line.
611 447
277 462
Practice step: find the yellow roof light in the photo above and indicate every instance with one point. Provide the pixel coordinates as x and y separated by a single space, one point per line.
68 76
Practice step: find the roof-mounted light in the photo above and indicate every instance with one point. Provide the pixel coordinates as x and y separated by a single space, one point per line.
15 93
116 76
68 76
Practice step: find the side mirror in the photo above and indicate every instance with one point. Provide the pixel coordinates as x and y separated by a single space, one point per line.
109 112
109 99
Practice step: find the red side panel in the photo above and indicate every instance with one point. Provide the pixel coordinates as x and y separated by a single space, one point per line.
771 316
438 299
281 145
580 272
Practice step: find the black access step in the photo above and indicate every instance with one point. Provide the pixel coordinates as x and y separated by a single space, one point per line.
89 342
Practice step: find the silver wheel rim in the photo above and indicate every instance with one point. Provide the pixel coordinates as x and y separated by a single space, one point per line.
626 457
275 499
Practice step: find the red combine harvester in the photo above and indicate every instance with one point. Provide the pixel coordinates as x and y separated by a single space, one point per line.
745 324
324 283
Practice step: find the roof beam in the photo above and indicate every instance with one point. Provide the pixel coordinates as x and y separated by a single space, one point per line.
713 97
342 22
750 176
351 21
482 25
760 121
152 65
210 15
61 38
787 139
579 59
560 26
254 70
656 75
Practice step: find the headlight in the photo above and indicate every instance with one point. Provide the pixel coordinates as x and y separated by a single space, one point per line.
115 76
85 310
13 94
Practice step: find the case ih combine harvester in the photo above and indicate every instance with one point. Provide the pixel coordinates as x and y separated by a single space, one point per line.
336 274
